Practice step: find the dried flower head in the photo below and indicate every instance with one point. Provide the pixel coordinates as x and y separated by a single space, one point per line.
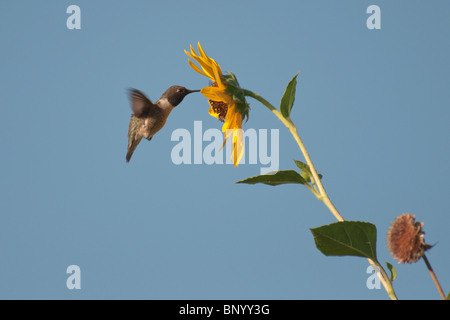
405 239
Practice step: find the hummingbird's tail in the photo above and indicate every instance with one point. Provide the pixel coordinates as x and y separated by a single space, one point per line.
132 146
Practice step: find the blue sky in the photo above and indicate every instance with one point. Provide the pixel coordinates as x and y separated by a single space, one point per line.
372 107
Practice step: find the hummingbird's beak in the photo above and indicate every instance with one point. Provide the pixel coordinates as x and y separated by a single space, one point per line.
190 91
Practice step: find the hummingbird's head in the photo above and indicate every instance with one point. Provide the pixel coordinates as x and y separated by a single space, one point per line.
176 94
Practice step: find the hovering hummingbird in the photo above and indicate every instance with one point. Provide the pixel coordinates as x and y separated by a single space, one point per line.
148 118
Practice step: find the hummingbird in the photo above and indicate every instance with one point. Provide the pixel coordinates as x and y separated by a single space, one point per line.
148 118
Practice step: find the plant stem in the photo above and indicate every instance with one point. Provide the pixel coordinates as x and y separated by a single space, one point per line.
293 129
433 276
323 196
384 278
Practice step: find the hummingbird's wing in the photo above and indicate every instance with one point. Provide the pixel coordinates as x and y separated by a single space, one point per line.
142 107
140 104
133 136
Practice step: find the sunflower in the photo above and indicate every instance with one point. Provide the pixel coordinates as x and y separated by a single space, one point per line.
226 100
405 239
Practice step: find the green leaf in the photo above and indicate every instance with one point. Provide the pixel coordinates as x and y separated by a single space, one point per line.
305 171
287 101
392 270
276 178
347 238
448 296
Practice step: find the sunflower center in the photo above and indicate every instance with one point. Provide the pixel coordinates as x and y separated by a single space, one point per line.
219 107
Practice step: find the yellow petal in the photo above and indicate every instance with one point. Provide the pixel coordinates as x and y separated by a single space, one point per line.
215 94
216 64
205 61
220 85
236 133
193 66
230 119
238 142
206 69
209 60
237 145
192 50
200 49
228 125
238 153
213 113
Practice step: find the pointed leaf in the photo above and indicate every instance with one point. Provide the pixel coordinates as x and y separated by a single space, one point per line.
287 101
392 270
347 238
276 178
305 171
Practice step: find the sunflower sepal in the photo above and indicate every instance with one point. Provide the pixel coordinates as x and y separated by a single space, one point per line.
234 90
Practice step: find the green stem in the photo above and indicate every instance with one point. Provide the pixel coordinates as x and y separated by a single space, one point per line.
385 280
313 189
323 196
293 129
